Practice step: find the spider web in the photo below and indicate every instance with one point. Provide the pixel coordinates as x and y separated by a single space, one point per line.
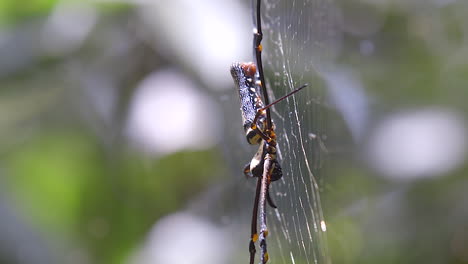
300 40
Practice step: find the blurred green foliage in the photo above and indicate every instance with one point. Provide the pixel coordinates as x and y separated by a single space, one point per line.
75 179
69 187
12 11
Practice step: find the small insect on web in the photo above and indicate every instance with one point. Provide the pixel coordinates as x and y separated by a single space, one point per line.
259 129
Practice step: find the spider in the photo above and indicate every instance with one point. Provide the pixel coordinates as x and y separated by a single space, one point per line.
259 129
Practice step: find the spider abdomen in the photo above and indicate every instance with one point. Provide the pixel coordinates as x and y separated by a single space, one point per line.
250 99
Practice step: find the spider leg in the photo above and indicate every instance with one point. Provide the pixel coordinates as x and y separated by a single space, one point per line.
269 200
255 169
253 227
257 43
268 168
277 171
254 127
276 174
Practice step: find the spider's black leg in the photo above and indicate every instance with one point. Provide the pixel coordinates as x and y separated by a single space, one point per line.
269 200
257 43
253 227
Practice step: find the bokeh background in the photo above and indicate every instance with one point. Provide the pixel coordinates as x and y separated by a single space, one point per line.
121 139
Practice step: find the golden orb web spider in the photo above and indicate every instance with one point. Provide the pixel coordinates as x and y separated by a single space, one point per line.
259 129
